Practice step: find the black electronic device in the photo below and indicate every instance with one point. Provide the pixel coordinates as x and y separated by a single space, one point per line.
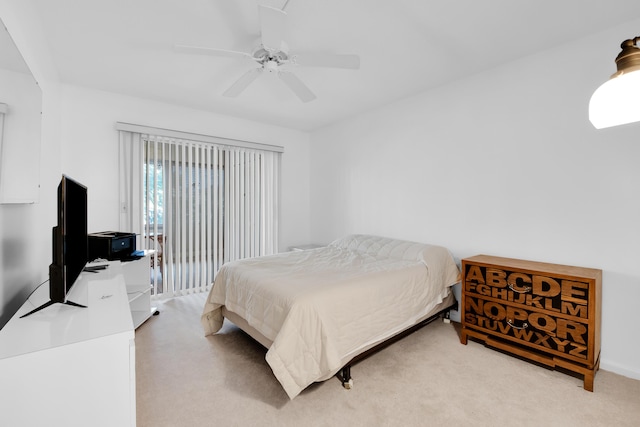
111 245
70 243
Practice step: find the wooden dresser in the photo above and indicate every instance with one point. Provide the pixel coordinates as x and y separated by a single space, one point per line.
547 313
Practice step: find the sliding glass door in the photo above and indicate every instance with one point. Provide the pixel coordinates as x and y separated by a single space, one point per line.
202 205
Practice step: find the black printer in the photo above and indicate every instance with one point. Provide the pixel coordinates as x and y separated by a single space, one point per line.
112 245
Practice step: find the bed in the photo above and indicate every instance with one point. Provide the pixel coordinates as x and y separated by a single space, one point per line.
317 310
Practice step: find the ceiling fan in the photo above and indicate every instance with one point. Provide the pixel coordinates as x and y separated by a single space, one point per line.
272 55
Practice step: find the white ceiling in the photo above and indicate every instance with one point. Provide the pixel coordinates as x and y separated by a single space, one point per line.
405 46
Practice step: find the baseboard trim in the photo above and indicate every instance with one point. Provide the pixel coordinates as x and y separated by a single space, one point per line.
619 369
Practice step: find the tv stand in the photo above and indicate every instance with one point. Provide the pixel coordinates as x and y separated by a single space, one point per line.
47 304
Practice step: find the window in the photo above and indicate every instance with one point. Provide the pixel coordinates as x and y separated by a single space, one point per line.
202 203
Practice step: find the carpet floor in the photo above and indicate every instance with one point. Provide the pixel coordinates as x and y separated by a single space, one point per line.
426 379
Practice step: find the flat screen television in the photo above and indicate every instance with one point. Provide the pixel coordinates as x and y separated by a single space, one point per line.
70 243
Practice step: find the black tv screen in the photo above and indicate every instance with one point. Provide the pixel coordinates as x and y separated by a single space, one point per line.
70 243
70 255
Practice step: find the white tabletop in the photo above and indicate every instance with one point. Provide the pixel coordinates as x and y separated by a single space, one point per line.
107 313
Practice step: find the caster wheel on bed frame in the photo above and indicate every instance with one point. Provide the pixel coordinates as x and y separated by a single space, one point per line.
446 318
345 377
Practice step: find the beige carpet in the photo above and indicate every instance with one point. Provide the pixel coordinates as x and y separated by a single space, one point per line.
426 379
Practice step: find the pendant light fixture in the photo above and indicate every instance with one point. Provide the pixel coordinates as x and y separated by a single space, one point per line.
617 101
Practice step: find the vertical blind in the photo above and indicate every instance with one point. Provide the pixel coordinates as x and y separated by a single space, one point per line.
201 204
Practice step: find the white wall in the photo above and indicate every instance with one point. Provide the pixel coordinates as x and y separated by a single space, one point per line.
90 147
503 163
25 229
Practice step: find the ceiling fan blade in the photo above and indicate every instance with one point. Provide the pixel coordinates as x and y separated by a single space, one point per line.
211 51
327 60
296 85
272 26
243 82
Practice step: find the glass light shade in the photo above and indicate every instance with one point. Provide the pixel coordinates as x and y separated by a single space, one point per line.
616 102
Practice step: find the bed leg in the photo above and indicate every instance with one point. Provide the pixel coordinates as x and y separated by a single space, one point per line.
345 377
446 318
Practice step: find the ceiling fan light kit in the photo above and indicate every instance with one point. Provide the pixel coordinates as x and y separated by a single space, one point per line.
617 101
272 55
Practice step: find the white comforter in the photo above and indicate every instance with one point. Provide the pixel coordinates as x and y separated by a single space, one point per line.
321 307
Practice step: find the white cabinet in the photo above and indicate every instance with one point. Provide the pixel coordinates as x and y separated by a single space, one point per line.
138 280
72 366
20 144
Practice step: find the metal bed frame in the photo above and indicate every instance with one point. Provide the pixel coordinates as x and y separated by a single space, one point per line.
344 374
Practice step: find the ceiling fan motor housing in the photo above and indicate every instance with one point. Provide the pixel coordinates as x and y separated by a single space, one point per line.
263 56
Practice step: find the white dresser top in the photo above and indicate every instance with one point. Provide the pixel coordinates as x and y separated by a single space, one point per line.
107 313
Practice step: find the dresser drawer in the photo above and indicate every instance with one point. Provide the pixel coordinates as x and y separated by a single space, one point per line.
562 336
563 295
